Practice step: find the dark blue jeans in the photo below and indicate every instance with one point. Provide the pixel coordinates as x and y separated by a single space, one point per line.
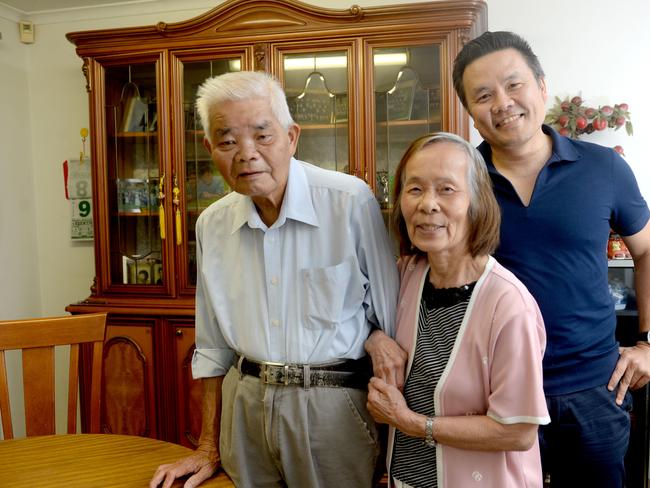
586 441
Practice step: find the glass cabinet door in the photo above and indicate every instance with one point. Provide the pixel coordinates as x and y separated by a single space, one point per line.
136 256
407 105
316 85
202 182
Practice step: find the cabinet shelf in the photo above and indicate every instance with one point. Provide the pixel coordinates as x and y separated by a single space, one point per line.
627 313
137 135
410 123
144 213
338 126
196 211
341 126
620 263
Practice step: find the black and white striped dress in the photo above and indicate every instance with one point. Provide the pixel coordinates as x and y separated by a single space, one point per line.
440 317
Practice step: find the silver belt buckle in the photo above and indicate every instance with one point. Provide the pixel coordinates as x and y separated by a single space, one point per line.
281 374
270 373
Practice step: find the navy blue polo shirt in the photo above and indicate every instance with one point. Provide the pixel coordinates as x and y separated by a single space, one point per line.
557 247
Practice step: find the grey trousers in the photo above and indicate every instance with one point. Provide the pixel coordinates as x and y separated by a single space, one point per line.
287 436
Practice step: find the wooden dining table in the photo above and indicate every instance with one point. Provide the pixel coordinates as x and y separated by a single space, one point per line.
89 461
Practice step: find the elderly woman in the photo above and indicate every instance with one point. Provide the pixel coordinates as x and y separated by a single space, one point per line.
472 398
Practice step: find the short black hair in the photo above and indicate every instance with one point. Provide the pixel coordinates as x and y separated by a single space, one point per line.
487 43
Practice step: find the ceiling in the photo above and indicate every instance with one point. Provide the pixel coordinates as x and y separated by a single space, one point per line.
37 6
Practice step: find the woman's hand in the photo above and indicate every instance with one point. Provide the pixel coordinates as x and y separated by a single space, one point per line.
386 403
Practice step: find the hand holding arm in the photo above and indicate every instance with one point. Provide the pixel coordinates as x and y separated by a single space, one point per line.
474 432
388 358
204 462
386 403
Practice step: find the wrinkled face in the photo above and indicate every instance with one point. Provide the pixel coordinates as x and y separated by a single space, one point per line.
505 100
251 149
435 199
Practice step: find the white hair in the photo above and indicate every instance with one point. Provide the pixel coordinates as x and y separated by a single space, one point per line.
240 86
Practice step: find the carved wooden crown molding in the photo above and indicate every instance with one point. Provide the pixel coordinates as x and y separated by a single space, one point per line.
247 20
238 15
232 17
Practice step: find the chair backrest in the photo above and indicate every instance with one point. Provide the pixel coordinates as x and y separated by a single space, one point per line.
37 339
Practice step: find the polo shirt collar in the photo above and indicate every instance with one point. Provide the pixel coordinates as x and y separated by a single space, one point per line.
563 149
296 204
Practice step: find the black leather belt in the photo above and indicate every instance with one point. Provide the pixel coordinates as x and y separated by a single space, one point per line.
346 374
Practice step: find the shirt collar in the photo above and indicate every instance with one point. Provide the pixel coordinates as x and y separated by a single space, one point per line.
296 204
563 149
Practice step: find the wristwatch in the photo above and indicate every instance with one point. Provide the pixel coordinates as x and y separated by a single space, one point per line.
643 336
428 433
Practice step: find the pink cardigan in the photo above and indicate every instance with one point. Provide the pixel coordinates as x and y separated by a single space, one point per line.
495 369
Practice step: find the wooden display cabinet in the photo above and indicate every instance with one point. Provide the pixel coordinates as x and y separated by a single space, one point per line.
362 83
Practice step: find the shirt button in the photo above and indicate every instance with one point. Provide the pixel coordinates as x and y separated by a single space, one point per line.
275 322
274 280
477 476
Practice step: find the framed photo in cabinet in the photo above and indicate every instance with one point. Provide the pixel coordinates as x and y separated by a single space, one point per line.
313 108
341 108
132 195
399 100
157 273
141 271
128 270
135 118
153 123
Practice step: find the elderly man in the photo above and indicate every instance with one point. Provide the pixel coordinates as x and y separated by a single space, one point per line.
559 198
294 270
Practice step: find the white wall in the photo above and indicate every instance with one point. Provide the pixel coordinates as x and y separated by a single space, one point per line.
595 47
19 291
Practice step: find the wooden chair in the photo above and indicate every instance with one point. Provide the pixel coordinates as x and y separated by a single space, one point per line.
37 338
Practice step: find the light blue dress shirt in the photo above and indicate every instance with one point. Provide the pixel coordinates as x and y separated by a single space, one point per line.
306 289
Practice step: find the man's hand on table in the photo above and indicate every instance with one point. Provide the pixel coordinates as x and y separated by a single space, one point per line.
201 465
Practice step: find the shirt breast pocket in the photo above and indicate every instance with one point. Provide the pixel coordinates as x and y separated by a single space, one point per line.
327 291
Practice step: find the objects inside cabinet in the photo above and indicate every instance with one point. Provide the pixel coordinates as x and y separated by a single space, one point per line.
133 174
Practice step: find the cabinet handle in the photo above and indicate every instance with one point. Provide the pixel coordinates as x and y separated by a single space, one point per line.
161 206
176 191
179 332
